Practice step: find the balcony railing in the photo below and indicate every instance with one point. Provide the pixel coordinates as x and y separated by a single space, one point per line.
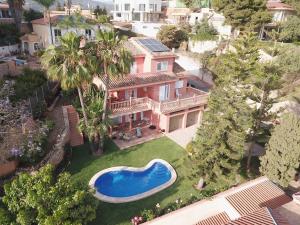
193 98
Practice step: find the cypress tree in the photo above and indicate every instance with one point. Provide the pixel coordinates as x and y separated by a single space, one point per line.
282 158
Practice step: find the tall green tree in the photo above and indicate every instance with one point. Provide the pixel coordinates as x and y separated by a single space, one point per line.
68 64
112 60
47 4
43 198
244 14
16 7
75 21
97 127
219 145
282 158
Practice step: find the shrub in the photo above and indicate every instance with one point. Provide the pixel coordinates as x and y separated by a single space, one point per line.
204 31
31 14
27 83
34 145
290 29
9 34
171 36
148 215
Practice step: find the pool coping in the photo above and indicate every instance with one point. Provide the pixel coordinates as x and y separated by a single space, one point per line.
146 194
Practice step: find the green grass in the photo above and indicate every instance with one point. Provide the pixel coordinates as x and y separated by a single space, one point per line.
83 166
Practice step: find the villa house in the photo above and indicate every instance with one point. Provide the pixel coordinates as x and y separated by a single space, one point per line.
154 93
44 35
137 10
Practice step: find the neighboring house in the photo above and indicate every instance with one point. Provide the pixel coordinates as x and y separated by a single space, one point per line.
280 13
137 10
155 92
5 14
257 202
73 9
177 12
41 36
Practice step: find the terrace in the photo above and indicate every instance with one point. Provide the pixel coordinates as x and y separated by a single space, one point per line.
193 97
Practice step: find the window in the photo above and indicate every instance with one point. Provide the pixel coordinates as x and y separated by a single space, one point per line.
88 33
151 7
36 46
155 7
119 15
133 68
162 66
164 92
117 7
57 34
142 7
127 7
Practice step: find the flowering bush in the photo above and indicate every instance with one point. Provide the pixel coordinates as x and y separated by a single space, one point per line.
34 145
136 220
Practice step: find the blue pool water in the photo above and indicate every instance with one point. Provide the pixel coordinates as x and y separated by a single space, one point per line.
126 183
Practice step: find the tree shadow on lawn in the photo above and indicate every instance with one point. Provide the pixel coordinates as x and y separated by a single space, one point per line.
113 214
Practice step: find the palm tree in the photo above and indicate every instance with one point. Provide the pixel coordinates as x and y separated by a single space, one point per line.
68 64
115 60
96 127
47 4
16 7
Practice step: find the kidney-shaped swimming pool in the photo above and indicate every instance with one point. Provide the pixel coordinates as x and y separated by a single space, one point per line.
125 184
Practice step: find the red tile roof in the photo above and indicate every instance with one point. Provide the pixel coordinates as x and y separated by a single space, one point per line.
140 79
263 216
265 194
272 5
219 219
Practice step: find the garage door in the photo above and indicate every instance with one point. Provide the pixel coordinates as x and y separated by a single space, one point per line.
175 123
192 118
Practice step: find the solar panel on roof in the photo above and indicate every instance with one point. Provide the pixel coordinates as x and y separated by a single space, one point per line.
154 45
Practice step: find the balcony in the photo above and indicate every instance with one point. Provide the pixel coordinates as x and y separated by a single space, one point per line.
192 98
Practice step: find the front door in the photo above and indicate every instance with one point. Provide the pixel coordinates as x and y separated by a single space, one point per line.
164 92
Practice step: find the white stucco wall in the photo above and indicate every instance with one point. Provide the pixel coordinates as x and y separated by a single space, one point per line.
202 46
147 29
8 50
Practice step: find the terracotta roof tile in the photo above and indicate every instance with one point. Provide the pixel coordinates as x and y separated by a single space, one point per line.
263 216
279 6
265 194
219 219
140 79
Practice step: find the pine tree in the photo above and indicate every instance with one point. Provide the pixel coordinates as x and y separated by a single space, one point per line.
282 158
219 146
244 13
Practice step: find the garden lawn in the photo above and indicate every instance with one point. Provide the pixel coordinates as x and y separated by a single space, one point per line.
83 166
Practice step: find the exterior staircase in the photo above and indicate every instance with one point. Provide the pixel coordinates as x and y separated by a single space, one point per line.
76 137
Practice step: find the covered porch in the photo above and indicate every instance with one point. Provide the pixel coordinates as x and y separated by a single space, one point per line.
135 128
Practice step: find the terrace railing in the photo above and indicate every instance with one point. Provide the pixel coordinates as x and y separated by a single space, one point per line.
194 98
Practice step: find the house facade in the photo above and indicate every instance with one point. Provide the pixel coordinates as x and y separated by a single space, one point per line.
153 93
137 10
280 11
44 35
5 14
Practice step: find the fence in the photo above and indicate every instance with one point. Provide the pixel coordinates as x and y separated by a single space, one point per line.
38 101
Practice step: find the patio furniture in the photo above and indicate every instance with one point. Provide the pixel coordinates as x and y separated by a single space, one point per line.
139 132
126 137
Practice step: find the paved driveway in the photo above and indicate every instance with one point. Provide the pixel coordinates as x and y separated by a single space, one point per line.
183 136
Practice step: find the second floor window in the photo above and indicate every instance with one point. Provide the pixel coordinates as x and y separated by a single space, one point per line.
116 7
151 7
127 7
142 7
162 66
133 68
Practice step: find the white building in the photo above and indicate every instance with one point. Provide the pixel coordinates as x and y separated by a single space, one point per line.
44 35
137 10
